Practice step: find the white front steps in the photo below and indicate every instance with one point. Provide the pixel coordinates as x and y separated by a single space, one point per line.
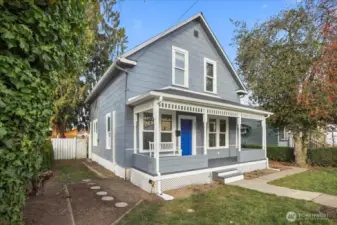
227 176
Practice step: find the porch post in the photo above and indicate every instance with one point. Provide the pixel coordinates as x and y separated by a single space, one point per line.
239 132
264 136
135 119
156 141
205 131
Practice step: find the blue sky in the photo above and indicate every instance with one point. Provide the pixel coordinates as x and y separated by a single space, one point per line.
144 19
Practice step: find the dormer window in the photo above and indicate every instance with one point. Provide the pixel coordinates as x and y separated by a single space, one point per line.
210 75
179 67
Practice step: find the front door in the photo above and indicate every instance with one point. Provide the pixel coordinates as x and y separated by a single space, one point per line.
186 136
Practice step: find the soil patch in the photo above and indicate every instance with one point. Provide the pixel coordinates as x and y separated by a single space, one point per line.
258 173
280 165
49 208
329 211
187 191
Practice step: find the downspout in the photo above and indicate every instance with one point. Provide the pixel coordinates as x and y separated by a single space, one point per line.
125 95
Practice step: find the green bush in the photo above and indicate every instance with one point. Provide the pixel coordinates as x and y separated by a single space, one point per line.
277 153
47 155
322 156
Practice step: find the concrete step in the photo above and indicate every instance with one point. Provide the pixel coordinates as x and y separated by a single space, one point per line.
226 172
228 176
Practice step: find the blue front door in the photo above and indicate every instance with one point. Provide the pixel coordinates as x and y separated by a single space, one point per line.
186 136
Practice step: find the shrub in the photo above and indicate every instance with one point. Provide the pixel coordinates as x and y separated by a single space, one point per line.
47 155
322 156
277 153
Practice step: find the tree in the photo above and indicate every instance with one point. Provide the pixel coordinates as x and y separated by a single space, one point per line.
108 42
38 40
281 61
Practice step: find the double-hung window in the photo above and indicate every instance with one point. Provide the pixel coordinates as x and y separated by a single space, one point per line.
148 130
166 131
217 133
284 134
179 67
210 80
108 131
94 133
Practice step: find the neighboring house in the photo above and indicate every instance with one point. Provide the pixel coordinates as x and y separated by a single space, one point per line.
165 114
74 133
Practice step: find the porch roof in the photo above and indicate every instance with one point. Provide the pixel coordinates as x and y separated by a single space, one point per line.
196 98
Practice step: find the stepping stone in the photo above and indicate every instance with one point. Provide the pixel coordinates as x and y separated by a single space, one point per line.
86 180
101 193
91 183
107 198
121 204
190 210
95 187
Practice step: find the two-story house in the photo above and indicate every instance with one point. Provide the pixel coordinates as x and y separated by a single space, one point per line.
166 113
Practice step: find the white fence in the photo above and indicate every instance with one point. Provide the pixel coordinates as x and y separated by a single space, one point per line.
69 148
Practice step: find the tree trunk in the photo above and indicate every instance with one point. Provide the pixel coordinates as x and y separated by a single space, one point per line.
58 130
301 149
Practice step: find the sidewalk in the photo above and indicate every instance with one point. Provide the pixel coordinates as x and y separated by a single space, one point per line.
260 184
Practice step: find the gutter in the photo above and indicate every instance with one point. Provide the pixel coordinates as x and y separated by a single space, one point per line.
109 73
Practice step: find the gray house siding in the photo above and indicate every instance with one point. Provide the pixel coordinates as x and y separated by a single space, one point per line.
154 64
254 135
110 99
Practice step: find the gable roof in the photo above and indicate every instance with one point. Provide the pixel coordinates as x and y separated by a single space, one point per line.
123 58
215 41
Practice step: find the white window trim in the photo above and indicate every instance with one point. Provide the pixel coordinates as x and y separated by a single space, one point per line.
194 132
186 73
95 132
285 135
206 60
141 125
218 132
107 139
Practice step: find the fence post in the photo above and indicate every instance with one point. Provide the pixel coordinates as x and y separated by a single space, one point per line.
75 147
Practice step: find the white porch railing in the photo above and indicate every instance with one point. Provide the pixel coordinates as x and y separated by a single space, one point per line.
165 147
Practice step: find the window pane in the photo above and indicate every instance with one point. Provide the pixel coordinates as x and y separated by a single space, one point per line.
179 77
223 126
108 123
148 123
212 140
180 60
222 139
166 137
147 137
210 69
166 122
212 125
209 84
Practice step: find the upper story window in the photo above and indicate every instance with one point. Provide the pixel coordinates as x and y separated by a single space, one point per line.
179 67
210 75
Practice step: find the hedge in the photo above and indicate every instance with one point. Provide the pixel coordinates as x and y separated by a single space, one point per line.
276 153
47 155
323 156
316 157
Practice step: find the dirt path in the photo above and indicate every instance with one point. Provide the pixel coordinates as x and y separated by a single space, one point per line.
88 208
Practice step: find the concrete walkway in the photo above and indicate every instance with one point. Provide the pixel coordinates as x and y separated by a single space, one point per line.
260 184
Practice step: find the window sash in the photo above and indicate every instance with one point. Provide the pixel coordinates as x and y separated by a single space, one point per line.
184 53
108 131
95 133
210 77
218 133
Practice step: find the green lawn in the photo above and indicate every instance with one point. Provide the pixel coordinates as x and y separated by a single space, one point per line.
318 179
70 171
225 205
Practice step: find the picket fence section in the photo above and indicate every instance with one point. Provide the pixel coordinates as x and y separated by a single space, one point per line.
69 148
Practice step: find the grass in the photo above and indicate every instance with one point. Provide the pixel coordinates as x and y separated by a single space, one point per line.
225 205
317 179
70 171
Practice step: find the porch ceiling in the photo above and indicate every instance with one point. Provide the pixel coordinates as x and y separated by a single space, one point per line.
181 96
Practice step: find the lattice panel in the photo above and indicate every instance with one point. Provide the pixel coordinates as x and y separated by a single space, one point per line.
178 182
